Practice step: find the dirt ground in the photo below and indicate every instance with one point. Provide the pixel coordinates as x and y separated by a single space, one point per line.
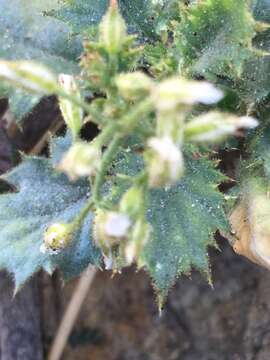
120 320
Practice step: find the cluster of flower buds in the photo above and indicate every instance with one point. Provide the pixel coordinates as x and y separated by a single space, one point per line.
56 238
123 232
172 100
112 52
81 160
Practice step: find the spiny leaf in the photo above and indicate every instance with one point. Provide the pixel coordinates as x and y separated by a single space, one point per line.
215 41
259 148
43 197
184 219
26 34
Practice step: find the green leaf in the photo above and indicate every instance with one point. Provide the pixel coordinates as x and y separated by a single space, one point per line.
80 15
43 197
258 146
216 40
139 16
184 219
26 34
255 169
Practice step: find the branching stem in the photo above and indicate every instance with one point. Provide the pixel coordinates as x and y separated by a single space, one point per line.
125 126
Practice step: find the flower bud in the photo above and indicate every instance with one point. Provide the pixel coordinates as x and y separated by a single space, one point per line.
165 162
215 126
138 239
112 30
81 160
131 202
72 114
173 92
110 228
109 261
56 238
134 85
29 75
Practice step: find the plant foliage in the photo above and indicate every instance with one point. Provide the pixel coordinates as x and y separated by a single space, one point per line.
170 81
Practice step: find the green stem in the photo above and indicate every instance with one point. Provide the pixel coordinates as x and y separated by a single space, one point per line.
129 121
116 131
105 165
77 222
107 134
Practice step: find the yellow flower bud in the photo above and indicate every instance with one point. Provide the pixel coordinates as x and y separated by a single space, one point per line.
56 238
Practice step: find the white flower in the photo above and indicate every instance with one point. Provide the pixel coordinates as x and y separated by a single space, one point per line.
176 91
110 228
117 225
204 93
214 126
165 162
247 122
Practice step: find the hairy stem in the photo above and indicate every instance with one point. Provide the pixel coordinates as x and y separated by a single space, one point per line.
105 164
131 120
82 215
